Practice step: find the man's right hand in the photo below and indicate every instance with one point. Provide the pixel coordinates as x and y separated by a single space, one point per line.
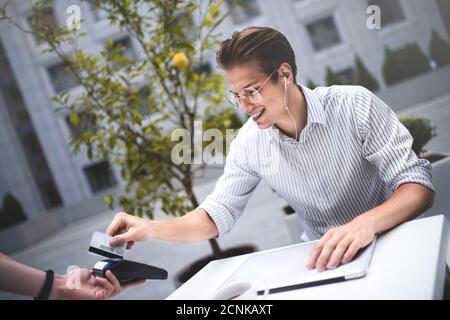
192 227
126 228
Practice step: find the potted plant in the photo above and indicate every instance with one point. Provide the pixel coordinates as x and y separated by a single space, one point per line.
422 132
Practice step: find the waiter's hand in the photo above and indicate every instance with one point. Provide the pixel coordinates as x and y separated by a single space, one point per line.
340 245
89 286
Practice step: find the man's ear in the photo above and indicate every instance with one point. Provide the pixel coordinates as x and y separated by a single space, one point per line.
286 77
286 71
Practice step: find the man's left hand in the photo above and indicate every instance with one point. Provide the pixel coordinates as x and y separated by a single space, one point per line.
340 245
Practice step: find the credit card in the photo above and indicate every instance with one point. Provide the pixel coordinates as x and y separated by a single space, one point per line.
100 245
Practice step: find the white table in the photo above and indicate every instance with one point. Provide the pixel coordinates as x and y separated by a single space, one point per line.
408 263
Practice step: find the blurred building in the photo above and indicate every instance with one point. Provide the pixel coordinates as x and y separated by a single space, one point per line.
55 186
329 33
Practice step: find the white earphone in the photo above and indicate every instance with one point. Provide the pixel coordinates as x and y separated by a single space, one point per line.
286 107
285 92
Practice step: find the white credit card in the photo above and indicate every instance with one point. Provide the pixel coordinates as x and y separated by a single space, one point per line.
100 245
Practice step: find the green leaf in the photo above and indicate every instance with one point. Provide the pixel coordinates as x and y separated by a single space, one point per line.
109 200
112 141
137 117
74 119
207 22
214 9
123 174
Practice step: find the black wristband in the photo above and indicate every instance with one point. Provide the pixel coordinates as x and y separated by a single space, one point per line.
47 287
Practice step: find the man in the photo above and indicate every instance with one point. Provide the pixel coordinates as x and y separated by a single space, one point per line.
338 155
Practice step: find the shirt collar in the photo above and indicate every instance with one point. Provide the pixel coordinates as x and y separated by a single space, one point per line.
315 109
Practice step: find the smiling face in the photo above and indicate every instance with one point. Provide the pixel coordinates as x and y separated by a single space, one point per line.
270 109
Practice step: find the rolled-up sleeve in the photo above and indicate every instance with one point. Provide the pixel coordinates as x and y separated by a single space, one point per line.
233 189
387 144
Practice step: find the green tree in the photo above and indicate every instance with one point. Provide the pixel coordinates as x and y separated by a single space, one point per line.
364 77
332 78
421 131
439 49
175 37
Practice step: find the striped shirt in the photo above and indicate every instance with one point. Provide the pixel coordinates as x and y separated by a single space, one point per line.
351 156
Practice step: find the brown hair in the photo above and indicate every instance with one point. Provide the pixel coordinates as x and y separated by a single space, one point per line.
267 46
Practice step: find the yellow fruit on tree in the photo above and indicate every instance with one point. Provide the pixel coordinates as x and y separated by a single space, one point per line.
180 60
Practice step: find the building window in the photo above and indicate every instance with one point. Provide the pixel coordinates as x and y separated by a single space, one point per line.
243 10
61 78
347 76
24 129
45 18
323 33
391 11
100 176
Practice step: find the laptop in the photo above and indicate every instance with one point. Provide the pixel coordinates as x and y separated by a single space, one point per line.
284 269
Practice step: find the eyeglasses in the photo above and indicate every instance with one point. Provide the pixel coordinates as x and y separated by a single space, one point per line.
249 94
